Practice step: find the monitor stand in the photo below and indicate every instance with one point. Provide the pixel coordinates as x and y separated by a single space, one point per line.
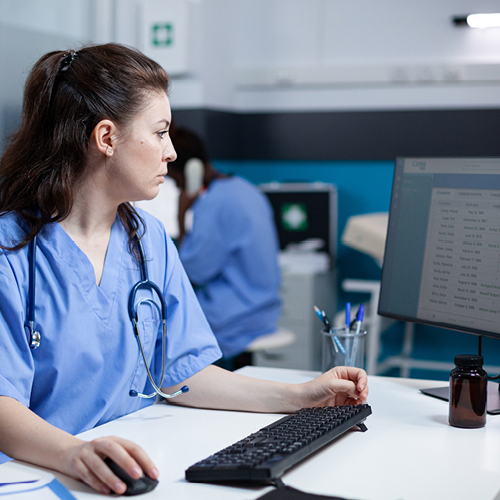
492 401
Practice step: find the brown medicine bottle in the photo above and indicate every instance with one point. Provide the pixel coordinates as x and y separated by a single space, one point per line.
468 390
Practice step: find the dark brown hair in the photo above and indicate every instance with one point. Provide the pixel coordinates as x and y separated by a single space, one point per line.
187 145
66 95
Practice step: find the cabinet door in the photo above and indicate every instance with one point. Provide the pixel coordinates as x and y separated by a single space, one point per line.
300 292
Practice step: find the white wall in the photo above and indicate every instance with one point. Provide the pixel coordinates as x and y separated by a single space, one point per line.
265 55
368 54
286 55
63 18
29 29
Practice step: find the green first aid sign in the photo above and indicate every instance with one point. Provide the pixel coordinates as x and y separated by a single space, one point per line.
162 34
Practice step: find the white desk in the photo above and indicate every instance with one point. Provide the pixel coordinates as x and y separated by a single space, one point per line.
409 451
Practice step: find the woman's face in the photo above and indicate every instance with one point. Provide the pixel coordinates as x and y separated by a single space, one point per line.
139 162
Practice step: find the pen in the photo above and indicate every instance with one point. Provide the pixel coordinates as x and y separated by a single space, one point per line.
353 322
337 341
359 318
347 318
324 318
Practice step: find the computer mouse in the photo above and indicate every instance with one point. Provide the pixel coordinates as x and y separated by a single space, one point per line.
134 486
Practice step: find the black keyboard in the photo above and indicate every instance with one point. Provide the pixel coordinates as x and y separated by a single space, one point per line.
266 454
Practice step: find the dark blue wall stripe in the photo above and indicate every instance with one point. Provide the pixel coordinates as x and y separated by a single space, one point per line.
360 135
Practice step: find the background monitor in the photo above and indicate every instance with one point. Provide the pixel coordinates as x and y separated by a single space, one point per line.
304 211
442 256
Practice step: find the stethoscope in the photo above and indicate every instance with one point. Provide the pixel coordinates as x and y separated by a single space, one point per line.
34 336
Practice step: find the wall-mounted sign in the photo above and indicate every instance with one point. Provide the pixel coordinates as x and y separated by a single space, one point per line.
165 34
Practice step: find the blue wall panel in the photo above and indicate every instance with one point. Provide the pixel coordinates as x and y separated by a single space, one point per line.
362 187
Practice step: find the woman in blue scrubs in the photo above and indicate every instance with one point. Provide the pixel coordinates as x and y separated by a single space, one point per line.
93 138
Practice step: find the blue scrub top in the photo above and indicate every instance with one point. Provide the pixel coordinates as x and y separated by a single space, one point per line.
89 359
231 256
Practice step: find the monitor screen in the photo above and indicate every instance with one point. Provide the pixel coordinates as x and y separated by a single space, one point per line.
304 211
442 255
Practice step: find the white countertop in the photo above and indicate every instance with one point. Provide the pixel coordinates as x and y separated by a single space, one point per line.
409 451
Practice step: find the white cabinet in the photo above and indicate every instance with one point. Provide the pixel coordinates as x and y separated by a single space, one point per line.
300 292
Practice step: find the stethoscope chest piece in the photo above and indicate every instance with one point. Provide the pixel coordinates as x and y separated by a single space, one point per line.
35 340
34 336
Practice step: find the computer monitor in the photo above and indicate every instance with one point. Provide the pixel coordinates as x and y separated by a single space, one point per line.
442 255
304 211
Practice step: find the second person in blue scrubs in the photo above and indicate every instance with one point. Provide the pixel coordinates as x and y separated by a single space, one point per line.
94 137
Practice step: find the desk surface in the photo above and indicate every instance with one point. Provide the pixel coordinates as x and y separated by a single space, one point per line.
409 452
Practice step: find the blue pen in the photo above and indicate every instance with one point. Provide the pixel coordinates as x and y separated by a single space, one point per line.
359 318
347 318
353 322
339 344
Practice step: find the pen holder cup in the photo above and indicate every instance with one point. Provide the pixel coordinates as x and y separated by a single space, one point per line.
343 349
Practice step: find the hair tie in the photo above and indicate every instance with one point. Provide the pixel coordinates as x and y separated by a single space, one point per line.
67 60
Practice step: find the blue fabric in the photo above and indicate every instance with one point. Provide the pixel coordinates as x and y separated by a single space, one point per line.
58 489
231 256
88 359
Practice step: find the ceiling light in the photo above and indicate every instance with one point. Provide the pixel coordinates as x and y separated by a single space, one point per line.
478 20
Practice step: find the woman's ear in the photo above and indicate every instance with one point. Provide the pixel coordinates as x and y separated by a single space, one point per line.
104 137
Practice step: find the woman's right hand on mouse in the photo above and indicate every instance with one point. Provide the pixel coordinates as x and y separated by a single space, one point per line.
86 463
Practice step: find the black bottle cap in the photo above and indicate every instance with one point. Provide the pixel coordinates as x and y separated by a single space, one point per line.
469 360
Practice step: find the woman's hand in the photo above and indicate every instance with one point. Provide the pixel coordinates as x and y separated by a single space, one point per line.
86 463
25 436
341 385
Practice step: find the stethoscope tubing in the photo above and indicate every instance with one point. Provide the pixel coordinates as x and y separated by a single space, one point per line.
34 336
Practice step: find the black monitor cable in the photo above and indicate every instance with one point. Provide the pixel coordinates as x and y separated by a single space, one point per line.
480 348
